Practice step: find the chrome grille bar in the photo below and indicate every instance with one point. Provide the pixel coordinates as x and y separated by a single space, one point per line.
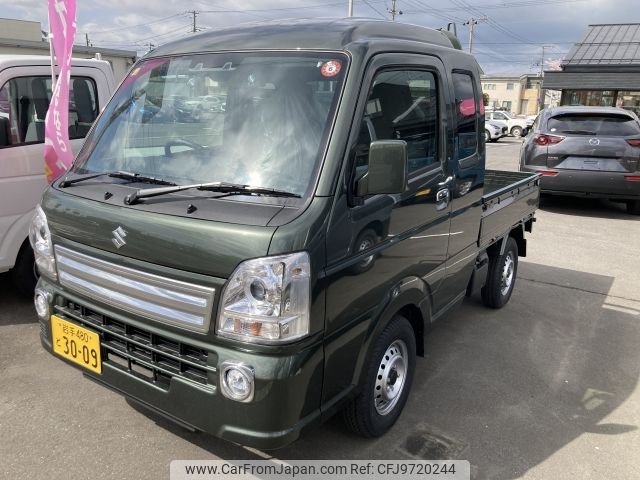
152 296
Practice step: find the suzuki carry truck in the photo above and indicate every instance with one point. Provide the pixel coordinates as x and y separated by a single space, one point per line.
250 270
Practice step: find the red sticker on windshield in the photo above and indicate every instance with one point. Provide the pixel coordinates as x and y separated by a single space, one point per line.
331 68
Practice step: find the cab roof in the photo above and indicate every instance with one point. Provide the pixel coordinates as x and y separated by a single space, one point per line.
317 34
10 60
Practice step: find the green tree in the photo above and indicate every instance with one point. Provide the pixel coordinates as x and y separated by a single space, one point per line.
485 99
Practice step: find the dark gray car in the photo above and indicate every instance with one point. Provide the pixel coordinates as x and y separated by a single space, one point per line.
586 151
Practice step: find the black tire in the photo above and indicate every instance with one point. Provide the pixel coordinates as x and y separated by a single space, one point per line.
487 136
633 207
362 415
501 278
367 239
24 273
494 140
517 132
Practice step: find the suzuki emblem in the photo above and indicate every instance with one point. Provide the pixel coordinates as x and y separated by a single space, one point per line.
594 141
118 237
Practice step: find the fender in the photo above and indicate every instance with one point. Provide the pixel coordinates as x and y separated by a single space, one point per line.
14 238
410 293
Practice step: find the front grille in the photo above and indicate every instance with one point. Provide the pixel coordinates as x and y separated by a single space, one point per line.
44 331
158 298
146 355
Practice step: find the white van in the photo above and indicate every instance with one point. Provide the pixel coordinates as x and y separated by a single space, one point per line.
25 91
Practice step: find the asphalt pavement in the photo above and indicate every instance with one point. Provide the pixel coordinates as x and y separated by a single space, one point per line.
546 388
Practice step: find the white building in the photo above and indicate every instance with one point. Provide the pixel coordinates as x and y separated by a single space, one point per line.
21 37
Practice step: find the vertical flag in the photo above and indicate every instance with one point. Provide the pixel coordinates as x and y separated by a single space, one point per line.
57 149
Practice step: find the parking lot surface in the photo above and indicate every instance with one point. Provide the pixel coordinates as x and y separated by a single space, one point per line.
546 388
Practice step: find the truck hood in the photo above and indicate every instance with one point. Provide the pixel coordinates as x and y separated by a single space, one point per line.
207 247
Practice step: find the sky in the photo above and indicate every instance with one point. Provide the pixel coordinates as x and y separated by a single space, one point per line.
508 39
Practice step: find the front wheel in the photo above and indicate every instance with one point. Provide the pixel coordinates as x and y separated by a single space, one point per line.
487 136
516 132
501 277
25 273
386 381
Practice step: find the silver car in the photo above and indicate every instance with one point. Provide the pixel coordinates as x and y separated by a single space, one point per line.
586 151
494 131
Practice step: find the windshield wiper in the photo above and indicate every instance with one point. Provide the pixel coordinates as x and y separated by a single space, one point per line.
221 187
136 177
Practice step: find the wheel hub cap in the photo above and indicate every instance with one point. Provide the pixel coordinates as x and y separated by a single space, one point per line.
507 274
390 378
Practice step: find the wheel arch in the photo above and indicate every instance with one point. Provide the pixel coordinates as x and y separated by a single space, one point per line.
410 298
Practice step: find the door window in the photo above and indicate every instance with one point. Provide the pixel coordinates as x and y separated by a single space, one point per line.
402 105
24 102
467 133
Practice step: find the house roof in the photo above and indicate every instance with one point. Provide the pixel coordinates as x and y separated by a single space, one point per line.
42 45
607 44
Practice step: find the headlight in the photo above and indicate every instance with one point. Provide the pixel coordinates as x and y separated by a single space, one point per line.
267 300
40 239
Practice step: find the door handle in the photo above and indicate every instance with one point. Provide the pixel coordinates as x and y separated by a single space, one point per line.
446 182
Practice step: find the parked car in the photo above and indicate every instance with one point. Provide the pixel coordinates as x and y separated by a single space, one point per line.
586 151
494 131
290 267
25 91
516 126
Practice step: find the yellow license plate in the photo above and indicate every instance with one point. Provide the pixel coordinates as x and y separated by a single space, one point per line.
76 343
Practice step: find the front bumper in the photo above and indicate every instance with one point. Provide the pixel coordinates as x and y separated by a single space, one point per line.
179 378
585 183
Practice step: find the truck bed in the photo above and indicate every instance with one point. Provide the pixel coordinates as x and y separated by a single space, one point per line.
509 199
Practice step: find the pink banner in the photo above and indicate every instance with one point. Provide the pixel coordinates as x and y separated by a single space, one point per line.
57 149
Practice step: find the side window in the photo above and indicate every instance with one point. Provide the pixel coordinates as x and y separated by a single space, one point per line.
402 105
467 131
24 102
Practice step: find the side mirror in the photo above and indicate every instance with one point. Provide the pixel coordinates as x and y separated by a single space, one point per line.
387 173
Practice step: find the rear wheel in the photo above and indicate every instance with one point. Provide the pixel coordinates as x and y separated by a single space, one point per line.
516 131
386 381
633 207
501 276
487 136
24 273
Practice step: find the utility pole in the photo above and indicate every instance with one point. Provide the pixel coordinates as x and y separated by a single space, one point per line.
394 10
86 36
350 8
540 99
471 23
151 46
195 14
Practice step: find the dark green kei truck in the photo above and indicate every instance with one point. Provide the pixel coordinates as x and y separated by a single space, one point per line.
265 220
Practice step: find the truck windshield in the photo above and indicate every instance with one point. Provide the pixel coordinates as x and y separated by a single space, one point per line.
246 118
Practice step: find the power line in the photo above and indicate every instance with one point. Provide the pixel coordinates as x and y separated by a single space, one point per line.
434 12
164 19
500 6
319 5
138 41
474 11
366 2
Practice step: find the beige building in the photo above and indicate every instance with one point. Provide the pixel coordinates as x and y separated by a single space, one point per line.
516 94
20 37
504 92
